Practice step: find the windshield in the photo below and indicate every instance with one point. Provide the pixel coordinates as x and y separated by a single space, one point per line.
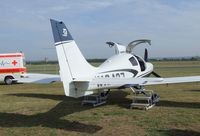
141 62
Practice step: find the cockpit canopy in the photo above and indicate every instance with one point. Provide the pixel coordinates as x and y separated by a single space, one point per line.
119 48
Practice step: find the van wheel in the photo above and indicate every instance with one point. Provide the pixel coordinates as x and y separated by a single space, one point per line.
8 80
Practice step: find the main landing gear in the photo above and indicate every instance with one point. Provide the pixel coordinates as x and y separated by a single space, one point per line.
144 99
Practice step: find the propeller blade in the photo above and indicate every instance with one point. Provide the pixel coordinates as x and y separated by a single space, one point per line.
146 55
155 74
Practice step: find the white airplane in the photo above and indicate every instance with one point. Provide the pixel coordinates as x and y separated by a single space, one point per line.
123 70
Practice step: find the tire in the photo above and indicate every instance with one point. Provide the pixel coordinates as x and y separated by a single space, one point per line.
8 80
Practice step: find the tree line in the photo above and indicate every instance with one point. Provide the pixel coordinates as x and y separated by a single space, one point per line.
102 60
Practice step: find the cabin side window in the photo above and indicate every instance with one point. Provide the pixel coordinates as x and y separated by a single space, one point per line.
133 61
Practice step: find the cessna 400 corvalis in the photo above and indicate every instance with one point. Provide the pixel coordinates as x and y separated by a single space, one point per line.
123 70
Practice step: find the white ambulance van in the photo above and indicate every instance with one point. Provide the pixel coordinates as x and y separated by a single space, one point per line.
12 67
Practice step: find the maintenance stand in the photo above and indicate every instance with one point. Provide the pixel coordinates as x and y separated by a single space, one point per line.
145 99
96 99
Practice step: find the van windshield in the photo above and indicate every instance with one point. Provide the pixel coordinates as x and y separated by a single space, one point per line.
24 62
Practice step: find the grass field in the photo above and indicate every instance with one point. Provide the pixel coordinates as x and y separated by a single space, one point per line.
43 110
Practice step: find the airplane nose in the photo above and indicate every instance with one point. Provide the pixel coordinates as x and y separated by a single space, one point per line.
149 66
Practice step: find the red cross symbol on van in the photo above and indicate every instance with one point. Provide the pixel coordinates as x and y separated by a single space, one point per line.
14 62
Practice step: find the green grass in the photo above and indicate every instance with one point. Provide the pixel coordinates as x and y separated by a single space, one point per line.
45 68
177 68
42 109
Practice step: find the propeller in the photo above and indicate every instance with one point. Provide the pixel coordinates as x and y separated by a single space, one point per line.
155 74
146 59
146 55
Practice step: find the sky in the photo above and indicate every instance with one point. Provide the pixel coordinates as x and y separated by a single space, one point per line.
173 26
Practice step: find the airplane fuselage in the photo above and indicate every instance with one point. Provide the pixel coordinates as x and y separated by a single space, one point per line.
124 65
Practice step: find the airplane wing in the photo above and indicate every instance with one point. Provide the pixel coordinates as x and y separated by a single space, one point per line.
130 82
39 78
174 80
